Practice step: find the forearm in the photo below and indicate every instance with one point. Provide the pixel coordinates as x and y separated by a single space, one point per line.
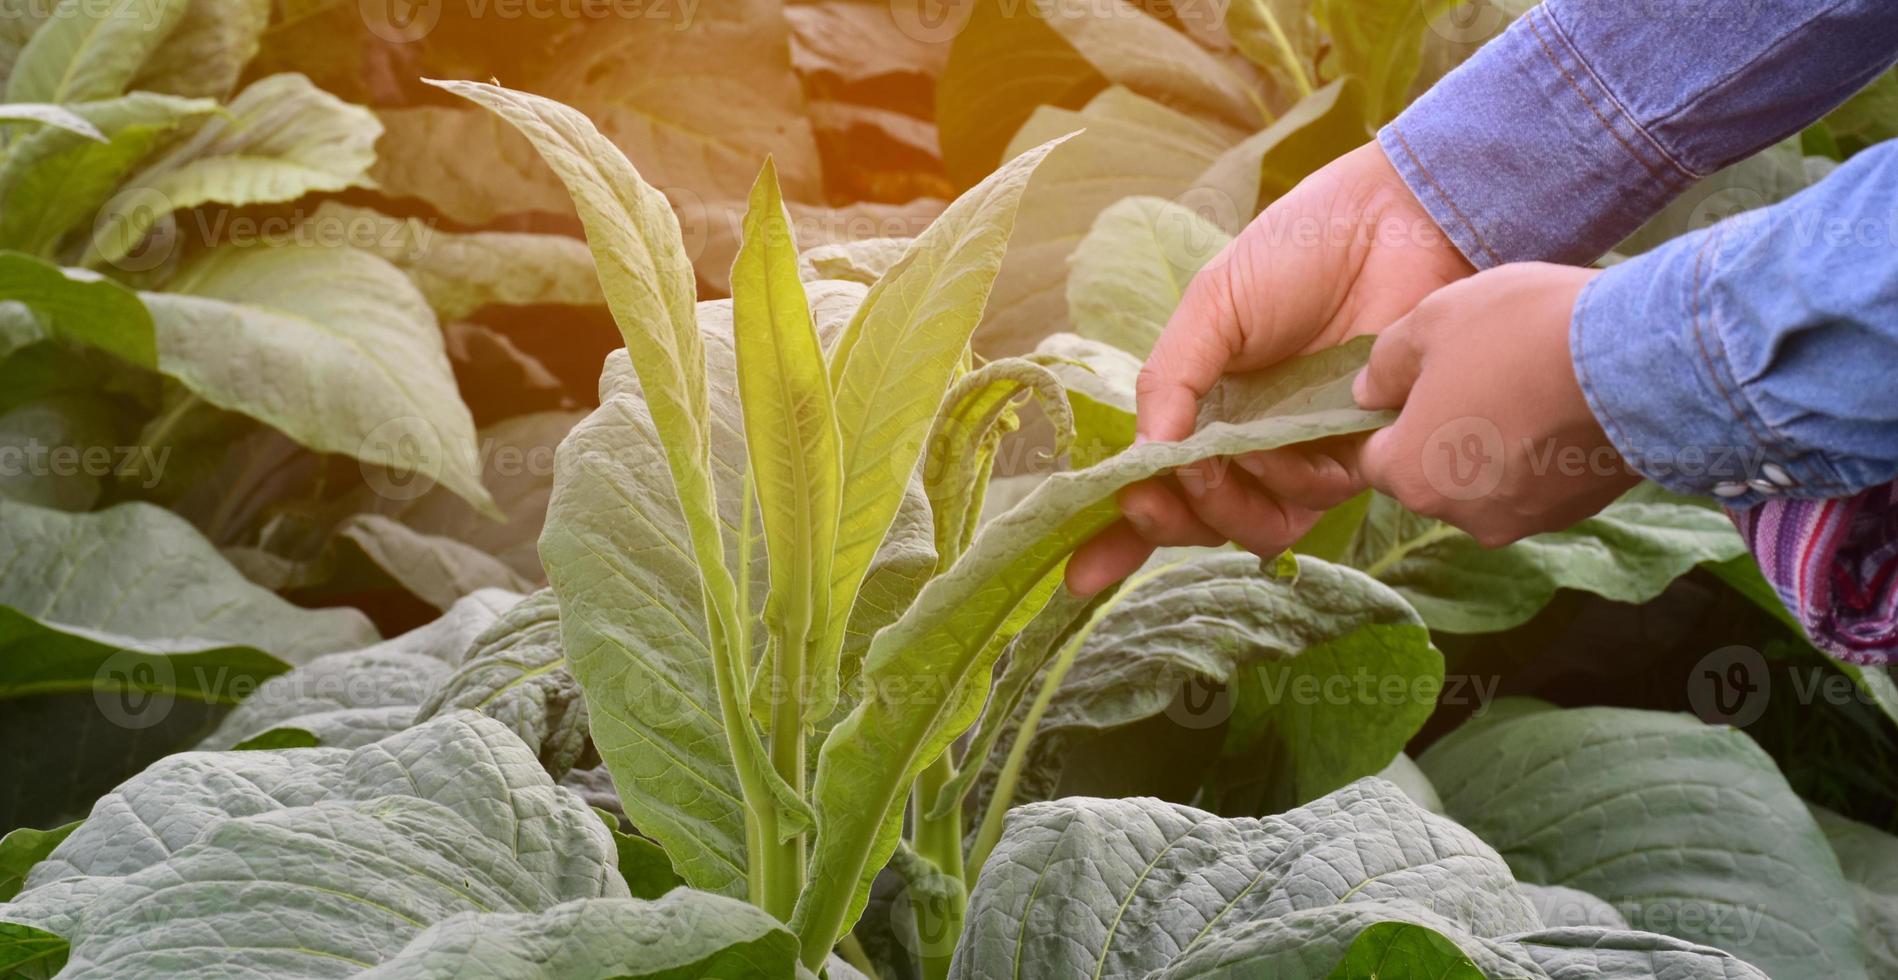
1753 361
1560 138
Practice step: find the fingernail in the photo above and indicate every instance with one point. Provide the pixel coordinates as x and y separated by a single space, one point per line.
1140 438
1141 522
1360 386
1253 464
1192 480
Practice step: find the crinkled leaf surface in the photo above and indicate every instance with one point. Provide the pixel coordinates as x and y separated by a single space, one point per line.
1685 828
864 260
682 934
350 699
1203 619
516 673
317 862
1142 888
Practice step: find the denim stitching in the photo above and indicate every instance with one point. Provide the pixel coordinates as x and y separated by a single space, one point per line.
1445 196
1607 126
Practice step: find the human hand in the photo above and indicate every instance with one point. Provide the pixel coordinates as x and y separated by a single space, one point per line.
1494 435
1346 252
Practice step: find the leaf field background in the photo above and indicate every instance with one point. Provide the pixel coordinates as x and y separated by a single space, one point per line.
579 490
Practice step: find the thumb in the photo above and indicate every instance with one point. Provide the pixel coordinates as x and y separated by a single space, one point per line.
1199 343
1396 361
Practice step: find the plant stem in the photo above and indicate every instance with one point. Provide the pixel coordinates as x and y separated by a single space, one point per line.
1403 549
786 878
1292 61
852 951
938 923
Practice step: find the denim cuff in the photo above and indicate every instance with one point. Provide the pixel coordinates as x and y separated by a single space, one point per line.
1653 366
1522 154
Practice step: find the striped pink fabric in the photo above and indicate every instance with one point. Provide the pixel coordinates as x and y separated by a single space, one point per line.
1835 565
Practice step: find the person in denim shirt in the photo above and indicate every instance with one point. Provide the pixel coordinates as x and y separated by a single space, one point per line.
1752 362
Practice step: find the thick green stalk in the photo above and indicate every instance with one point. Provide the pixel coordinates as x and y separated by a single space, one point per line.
786 857
938 919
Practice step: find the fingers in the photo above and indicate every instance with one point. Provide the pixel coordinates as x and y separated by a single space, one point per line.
1200 340
1157 511
1239 510
1317 477
1106 558
1396 361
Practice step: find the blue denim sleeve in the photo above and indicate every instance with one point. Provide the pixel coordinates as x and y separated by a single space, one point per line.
1559 138
1755 358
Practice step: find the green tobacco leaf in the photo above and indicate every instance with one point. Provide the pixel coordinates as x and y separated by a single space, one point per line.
863 261
1629 553
1128 145
1278 36
80 610
1090 887
348 700
204 55
1381 43
88 51
331 346
461 273
644 865
1003 63
33 429
682 934
946 642
58 117
1345 707
435 569
54 180
791 433
279 139
422 842
77 305
22 849
465 163
1100 380
647 280
1685 828
620 558
516 673
1403 951
1869 858
897 358
1134 49
1130 271
1304 660
976 414
698 100
1264 166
